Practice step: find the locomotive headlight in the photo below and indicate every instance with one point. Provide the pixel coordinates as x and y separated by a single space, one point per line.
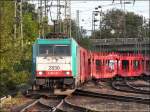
40 73
67 73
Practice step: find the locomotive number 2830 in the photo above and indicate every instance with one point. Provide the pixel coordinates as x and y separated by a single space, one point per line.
54 67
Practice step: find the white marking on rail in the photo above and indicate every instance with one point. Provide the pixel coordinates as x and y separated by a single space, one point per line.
24 109
55 108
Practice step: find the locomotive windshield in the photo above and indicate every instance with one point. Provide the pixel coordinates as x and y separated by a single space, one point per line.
54 50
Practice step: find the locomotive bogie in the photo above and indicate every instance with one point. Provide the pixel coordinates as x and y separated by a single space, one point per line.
53 83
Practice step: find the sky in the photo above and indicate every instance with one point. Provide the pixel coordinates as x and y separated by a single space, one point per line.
85 7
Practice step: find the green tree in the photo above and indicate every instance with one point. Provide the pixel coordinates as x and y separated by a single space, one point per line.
124 25
15 63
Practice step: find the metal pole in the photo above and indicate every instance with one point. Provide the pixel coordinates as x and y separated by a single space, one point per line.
21 24
41 14
59 16
124 21
69 18
1 11
39 17
77 21
92 23
100 26
64 23
57 19
45 6
144 21
15 26
45 18
54 21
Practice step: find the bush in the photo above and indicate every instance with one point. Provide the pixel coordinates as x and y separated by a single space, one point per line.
9 80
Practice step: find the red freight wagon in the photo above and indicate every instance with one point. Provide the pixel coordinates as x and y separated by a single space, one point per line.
84 64
146 66
130 65
104 65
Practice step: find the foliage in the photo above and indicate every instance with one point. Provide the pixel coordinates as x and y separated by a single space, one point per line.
79 35
85 42
124 25
16 61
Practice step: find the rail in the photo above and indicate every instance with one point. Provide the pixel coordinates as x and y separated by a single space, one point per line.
125 87
48 103
112 97
138 89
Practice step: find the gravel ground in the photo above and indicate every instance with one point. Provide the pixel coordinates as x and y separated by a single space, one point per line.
38 108
44 104
14 103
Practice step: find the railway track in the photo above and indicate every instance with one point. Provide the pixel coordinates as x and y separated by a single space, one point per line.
76 108
31 106
125 86
42 104
50 103
62 104
143 88
112 97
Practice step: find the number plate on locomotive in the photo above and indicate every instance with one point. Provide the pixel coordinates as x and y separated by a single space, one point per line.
54 67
